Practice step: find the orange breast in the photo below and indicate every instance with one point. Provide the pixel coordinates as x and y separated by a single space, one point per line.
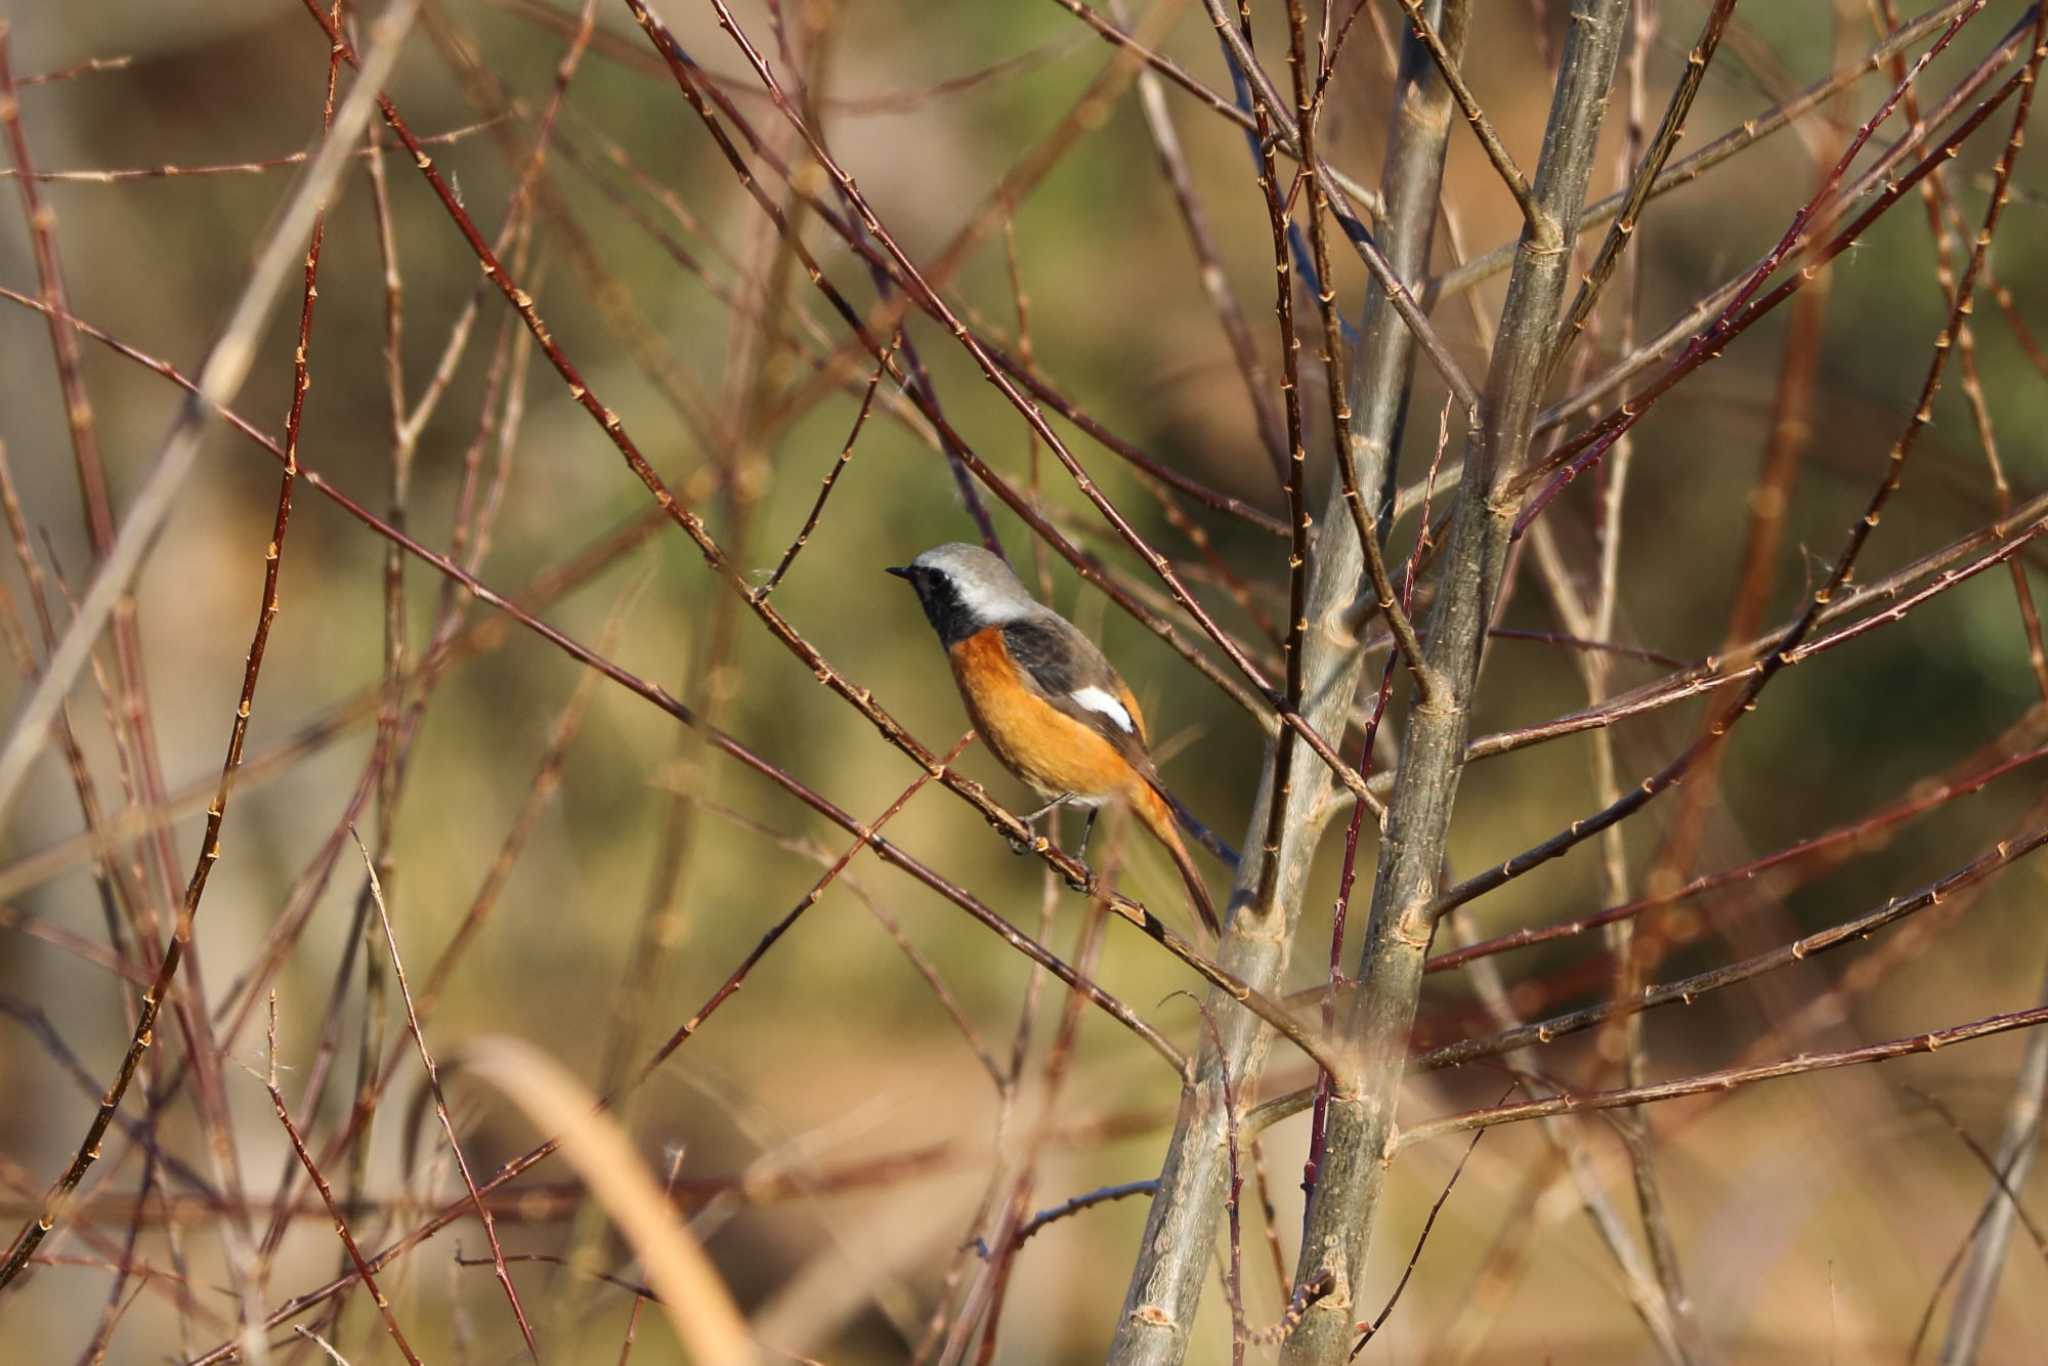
1040 744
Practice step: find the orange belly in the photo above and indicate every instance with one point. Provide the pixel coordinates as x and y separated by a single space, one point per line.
1042 745
1059 756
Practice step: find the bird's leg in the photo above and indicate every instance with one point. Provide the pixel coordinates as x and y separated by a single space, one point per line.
1080 850
1022 847
1052 805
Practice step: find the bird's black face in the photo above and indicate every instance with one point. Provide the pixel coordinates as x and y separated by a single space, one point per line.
940 598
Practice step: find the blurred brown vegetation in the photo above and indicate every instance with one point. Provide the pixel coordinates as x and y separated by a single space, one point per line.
854 1131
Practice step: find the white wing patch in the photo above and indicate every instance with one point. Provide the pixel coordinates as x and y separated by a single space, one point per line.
1095 699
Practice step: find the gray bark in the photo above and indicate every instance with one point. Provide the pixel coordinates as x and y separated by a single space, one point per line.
1346 1201
1180 1233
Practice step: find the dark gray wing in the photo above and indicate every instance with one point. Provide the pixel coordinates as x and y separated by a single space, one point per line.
1065 668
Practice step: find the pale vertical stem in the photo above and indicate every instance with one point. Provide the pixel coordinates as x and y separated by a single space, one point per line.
371 1027
1382 1006
136 719
1669 1319
1222 300
1641 1277
1180 1232
2015 1157
227 365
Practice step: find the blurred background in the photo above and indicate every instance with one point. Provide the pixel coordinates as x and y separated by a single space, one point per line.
833 1133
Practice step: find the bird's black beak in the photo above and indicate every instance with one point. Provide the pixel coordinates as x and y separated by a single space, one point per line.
898 570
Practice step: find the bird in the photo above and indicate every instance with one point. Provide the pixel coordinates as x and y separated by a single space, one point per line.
1045 700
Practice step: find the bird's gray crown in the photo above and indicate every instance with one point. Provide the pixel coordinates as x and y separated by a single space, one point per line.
985 585
965 588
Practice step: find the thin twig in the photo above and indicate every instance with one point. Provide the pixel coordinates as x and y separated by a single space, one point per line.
1780 652
1075 1204
412 1023
1421 1240
1716 1082
226 366
1745 134
1684 991
348 1242
1535 221
1650 165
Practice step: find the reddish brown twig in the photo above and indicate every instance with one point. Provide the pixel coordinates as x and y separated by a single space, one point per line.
1713 1082
198 1033
1742 307
1780 653
1826 849
412 1024
341 1231
809 899
831 479
1421 1240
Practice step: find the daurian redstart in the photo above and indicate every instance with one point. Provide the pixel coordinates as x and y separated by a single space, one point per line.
1044 699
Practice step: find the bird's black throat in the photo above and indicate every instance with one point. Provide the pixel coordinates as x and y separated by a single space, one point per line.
943 608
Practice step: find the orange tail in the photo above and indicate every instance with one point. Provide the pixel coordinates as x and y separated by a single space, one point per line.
1158 818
